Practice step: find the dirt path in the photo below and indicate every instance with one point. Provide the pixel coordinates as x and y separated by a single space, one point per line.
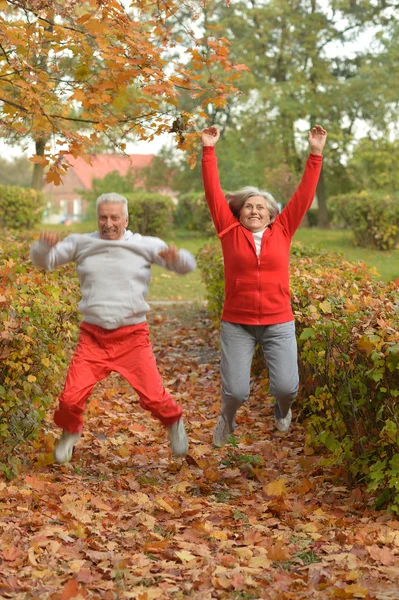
259 518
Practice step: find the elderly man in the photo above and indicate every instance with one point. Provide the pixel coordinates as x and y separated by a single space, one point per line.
113 266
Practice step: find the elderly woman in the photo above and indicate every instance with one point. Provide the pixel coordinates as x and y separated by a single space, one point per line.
257 310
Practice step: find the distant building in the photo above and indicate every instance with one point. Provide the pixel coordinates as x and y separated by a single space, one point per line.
64 202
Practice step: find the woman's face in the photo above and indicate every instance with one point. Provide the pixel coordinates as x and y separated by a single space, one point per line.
254 214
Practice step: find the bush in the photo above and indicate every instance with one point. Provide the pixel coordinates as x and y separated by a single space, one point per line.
348 339
210 262
39 315
374 219
313 216
20 207
150 214
192 213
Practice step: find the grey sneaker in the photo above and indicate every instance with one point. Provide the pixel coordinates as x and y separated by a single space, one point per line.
64 448
284 423
178 438
221 433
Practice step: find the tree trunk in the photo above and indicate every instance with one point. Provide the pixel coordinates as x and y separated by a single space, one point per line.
38 171
322 219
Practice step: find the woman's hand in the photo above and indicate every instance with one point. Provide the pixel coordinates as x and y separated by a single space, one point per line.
170 254
317 138
210 136
49 238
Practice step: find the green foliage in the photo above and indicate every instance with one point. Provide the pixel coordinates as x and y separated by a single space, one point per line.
375 165
38 313
210 262
373 218
17 171
112 182
192 213
20 207
348 339
150 213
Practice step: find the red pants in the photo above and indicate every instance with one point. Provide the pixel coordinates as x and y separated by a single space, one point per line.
127 351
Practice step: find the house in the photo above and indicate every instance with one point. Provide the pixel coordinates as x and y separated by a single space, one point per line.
64 202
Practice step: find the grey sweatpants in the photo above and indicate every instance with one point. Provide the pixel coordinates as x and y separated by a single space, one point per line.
279 347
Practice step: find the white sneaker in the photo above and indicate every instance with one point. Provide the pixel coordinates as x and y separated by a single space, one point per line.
178 438
64 448
221 433
284 423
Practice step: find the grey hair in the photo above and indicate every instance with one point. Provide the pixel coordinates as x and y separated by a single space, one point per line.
237 200
113 197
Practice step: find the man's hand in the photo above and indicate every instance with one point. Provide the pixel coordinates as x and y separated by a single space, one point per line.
317 138
50 238
210 136
169 255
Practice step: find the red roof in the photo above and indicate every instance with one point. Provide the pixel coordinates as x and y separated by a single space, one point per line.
102 164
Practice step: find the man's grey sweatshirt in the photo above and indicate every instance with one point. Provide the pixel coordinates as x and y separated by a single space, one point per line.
114 274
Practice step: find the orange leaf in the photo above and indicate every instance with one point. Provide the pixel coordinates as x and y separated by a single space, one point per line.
72 589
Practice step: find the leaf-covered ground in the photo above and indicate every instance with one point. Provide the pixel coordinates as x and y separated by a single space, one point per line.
260 518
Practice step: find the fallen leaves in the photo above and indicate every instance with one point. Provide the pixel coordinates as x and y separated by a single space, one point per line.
258 518
383 555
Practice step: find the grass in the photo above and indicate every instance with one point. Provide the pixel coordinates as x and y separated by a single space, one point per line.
166 285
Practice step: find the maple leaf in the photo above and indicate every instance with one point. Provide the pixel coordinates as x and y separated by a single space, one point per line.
185 556
382 555
276 488
72 590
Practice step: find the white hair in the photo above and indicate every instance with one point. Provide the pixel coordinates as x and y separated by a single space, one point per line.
113 197
237 200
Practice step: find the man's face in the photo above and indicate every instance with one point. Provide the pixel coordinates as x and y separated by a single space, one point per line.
111 220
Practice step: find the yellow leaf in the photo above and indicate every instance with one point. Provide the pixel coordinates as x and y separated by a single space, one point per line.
31 378
356 590
243 552
182 486
325 306
46 362
185 556
260 561
164 505
276 488
44 459
123 451
219 535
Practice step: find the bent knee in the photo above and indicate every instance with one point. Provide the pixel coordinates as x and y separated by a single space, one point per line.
238 395
286 393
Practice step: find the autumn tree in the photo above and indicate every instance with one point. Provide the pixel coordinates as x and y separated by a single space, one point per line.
304 67
73 73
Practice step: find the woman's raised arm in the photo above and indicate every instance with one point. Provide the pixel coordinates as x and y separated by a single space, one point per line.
221 214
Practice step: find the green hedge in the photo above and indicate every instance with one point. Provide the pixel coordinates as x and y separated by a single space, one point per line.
192 213
20 208
150 214
373 218
348 339
38 311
